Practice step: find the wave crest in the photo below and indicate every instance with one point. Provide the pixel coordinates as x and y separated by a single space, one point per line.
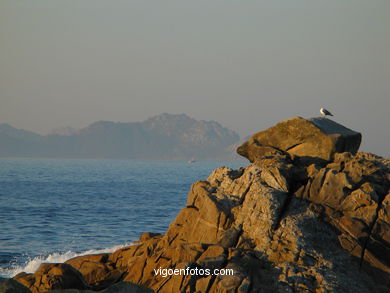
32 264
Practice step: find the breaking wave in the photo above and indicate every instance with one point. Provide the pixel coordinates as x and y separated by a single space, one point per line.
32 264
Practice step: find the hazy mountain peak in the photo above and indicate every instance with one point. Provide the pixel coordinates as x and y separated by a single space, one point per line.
17 133
171 118
67 130
165 136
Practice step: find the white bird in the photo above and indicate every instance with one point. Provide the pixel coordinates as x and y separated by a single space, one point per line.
325 112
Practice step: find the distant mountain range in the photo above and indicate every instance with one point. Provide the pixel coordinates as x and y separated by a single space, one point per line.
165 136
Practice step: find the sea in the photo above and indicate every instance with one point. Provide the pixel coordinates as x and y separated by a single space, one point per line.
54 209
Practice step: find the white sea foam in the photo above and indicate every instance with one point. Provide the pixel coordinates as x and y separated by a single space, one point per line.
31 265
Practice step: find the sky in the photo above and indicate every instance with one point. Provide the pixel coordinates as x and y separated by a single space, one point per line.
246 64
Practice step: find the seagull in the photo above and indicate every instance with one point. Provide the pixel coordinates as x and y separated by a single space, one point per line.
325 112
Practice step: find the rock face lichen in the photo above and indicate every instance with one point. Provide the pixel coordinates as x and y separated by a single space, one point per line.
285 223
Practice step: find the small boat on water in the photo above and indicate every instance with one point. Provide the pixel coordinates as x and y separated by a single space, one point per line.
192 160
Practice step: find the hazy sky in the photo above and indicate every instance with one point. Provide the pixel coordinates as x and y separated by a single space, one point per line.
246 64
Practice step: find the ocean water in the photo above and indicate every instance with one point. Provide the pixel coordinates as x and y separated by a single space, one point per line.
54 209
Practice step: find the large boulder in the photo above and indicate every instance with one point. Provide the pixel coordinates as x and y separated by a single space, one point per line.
51 276
96 269
315 137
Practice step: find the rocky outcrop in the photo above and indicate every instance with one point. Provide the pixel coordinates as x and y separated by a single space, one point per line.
52 276
315 137
354 191
98 271
265 229
285 223
121 287
94 275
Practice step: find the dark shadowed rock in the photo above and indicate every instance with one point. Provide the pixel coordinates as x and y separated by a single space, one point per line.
126 287
12 286
121 287
97 270
149 235
315 137
70 291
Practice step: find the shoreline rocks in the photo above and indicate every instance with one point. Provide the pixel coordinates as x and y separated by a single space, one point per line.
12 286
285 223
